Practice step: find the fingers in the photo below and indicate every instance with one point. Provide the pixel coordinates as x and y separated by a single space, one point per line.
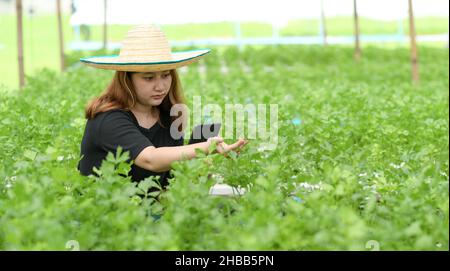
242 143
238 150
235 145
245 142
223 148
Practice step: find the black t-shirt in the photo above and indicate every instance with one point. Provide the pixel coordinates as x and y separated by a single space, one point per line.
118 127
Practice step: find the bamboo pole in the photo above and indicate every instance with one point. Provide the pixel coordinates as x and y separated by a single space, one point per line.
323 23
105 24
412 36
61 35
357 32
20 43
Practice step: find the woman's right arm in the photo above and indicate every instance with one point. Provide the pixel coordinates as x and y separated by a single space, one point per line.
160 159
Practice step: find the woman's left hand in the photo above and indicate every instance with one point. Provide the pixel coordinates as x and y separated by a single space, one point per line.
223 147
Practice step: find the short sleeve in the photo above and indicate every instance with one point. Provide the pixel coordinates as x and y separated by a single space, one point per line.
118 129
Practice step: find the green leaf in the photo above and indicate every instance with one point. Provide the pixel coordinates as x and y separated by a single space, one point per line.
31 155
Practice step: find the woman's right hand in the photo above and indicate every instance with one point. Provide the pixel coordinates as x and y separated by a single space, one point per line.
223 148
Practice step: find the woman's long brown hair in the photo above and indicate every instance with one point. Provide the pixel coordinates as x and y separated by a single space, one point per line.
120 94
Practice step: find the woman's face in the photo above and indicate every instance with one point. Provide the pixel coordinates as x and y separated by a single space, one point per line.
151 87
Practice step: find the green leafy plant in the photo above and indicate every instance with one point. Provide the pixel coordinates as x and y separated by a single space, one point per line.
362 155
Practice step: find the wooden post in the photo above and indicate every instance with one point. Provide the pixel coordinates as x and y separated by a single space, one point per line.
105 24
20 43
412 37
323 23
357 32
60 34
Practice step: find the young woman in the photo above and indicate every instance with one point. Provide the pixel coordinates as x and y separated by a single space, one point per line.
134 110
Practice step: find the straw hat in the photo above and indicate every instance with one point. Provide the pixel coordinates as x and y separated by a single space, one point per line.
145 49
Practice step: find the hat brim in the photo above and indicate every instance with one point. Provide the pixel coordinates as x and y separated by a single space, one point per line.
113 62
